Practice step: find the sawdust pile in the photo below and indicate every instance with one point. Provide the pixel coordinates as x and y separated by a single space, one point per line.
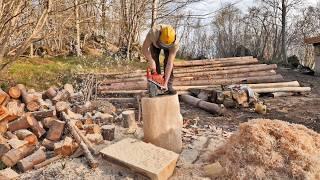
271 149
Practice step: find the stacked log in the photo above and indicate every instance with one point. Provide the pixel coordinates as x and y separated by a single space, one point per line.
34 125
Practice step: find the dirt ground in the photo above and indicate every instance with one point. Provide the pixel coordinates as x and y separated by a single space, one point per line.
203 133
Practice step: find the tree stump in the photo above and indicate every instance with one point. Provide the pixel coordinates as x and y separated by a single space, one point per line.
108 132
162 122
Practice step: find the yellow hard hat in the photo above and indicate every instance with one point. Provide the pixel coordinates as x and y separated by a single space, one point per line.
167 35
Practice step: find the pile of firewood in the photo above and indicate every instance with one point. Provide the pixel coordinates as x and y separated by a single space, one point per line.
38 128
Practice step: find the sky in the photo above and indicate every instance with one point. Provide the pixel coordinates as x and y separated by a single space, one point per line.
207 6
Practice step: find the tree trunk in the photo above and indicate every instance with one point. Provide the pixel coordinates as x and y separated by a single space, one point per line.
154 12
283 32
78 48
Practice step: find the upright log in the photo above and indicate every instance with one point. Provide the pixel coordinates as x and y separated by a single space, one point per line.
108 132
162 122
28 163
209 107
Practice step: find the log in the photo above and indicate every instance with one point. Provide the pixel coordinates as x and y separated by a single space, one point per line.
262 79
282 94
46 122
26 135
10 135
162 122
14 155
283 89
33 106
37 127
126 85
15 109
40 115
245 74
64 147
92 162
95 138
229 71
209 107
48 144
50 93
47 162
4 97
119 100
216 63
62 106
69 88
30 100
22 123
85 140
134 79
76 97
213 68
108 132
274 85
83 109
227 59
16 143
4 148
55 130
14 92
3 126
28 163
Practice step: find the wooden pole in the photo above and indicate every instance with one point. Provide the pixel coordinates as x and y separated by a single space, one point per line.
209 107
48 161
283 89
230 71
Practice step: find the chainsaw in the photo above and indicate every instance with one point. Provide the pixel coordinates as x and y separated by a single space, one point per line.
155 83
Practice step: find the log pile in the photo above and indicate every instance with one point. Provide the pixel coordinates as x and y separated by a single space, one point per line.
204 73
39 128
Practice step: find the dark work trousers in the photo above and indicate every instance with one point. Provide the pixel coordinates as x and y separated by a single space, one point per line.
155 53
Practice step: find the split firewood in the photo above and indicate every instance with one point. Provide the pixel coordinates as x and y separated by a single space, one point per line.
88 121
14 92
29 99
8 174
78 124
16 143
92 162
40 115
4 146
10 135
62 95
69 88
102 118
4 97
48 161
64 147
55 130
74 116
92 129
15 109
26 135
46 122
108 132
62 106
4 113
48 144
25 122
95 138
83 109
3 126
50 93
129 121
28 162
14 155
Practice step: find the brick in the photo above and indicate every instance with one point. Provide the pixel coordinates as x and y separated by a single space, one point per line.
155 162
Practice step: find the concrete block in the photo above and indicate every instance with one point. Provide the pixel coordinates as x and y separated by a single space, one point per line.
145 158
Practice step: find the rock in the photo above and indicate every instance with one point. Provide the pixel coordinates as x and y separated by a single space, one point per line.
187 157
141 157
213 170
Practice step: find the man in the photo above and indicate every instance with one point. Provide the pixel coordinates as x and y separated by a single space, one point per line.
162 37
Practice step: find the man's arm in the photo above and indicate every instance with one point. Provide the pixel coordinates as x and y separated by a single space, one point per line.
169 66
146 52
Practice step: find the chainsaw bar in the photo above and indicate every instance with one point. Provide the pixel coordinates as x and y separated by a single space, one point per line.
155 89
